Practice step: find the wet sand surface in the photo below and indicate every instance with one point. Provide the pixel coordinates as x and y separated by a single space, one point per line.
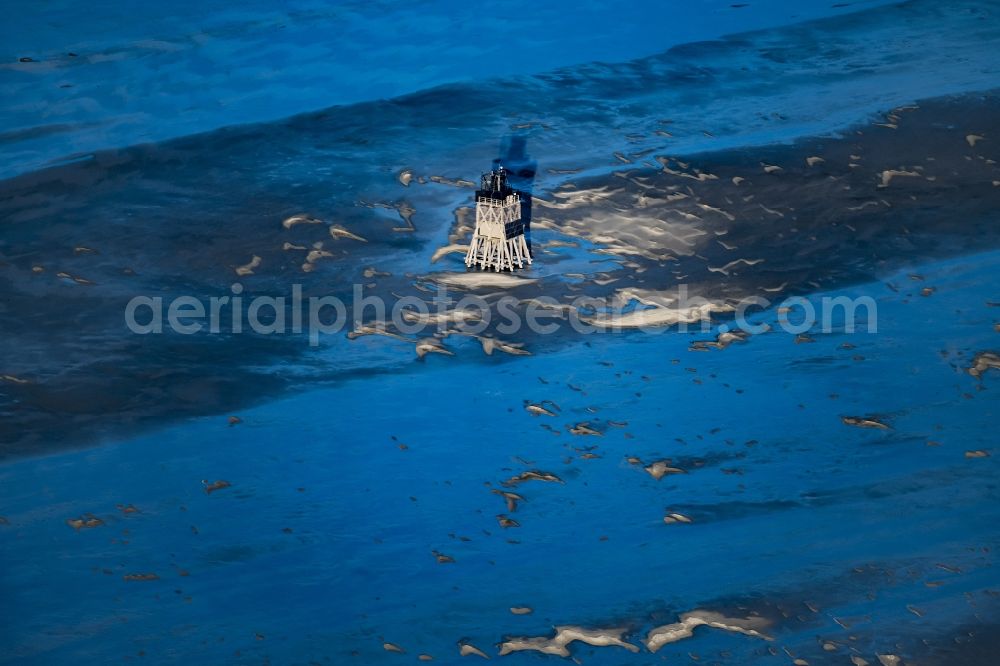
764 222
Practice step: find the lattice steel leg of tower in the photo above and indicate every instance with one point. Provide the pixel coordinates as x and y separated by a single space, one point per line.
498 253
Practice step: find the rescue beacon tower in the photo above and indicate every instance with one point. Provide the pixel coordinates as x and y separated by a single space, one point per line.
498 241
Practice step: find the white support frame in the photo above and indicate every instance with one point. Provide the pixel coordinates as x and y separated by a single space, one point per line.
490 247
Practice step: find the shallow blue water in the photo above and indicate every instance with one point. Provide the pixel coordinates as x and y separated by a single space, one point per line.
811 502
143 73
358 463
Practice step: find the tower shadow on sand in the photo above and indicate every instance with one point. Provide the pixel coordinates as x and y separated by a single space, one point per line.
521 171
